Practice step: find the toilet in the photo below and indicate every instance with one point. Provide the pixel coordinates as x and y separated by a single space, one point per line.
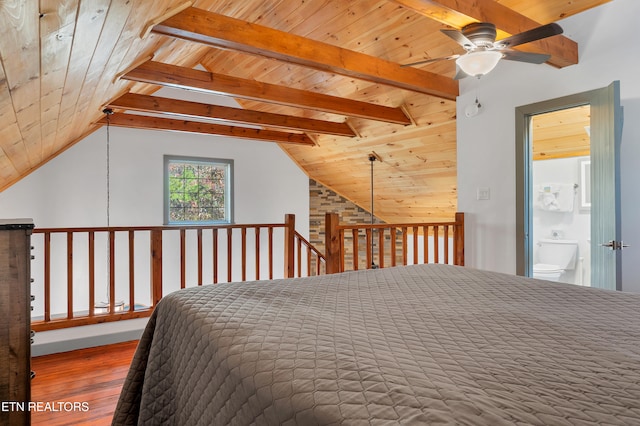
554 257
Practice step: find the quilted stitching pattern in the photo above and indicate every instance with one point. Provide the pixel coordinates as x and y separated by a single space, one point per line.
424 344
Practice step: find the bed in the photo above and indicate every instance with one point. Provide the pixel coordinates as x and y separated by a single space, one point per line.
422 344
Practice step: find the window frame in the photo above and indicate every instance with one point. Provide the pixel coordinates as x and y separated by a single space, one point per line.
228 189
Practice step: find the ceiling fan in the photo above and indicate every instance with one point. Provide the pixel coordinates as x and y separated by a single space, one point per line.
483 51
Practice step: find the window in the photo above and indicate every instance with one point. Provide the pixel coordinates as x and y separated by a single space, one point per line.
198 190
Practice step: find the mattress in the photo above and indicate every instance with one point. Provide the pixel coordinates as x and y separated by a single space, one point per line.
422 344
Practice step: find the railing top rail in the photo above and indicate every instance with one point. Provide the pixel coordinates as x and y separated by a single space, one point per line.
395 225
308 244
156 228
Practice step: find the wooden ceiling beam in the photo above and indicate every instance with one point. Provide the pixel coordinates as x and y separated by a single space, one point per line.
135 121
229 33
458 13
160 105
188 78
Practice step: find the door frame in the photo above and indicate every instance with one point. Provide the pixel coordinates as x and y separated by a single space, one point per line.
605 123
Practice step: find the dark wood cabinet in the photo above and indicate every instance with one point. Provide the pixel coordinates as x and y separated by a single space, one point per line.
15 321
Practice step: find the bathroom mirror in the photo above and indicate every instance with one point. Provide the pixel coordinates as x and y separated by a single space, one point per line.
585 185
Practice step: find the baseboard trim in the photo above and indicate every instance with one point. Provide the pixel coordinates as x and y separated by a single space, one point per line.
67 343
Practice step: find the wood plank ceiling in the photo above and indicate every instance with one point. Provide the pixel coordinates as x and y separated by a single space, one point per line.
322 78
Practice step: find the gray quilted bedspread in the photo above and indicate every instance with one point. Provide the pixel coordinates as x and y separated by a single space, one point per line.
426 344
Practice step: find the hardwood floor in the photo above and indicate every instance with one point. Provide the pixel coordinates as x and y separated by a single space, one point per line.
91 377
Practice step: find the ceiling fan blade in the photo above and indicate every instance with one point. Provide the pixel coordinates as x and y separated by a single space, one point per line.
532 58
427 61
529 36
459 38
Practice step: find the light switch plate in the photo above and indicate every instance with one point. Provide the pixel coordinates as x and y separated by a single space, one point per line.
483 193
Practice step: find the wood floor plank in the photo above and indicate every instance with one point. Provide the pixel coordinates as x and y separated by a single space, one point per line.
93 376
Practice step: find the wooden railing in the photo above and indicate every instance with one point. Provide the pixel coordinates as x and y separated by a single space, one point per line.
315 263
93 275
381 245
89 276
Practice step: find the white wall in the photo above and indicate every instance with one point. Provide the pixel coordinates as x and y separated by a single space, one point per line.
486 148
70 190
569 225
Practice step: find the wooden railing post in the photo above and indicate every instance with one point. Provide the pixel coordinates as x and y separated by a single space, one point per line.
332 243
112 271
47 276
156 265
69 275
459 240
289 245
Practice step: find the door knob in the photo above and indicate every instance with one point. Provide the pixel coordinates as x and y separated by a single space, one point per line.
615 245
611 244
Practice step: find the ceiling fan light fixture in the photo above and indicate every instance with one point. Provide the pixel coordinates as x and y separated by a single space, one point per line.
479 62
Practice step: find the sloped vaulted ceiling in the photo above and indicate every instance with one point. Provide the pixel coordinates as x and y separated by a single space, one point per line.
319 77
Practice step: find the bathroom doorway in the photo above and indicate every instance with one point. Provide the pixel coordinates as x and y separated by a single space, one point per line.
600 179
561 216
